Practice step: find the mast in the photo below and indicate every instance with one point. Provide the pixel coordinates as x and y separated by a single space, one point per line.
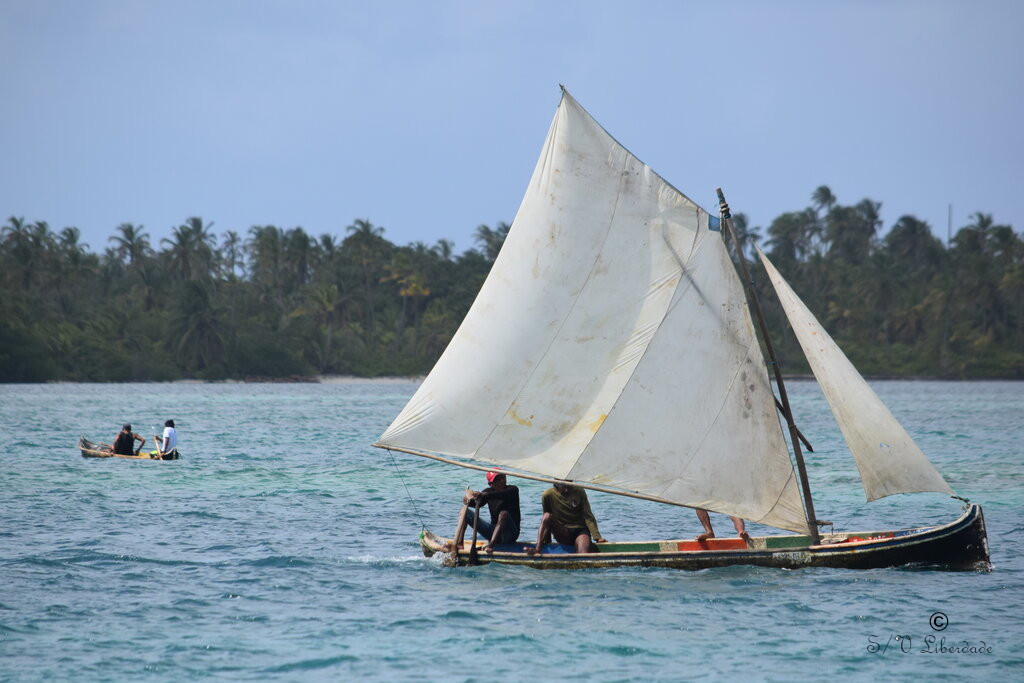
794 433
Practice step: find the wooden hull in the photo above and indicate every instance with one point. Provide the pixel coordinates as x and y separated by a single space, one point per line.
961 545
96 450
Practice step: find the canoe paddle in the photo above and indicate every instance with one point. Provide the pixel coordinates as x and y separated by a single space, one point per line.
472 546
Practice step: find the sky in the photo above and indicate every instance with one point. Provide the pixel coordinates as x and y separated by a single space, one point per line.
427 118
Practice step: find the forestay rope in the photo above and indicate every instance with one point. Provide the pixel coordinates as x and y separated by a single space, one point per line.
408 493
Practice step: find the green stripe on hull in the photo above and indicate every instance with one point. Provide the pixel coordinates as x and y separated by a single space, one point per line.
787 542
628 547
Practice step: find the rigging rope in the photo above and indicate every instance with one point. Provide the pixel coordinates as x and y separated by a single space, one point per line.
407 492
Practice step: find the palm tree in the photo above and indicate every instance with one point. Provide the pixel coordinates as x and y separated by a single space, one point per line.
299 255
132 245
328 245
444 249
491 240
68 241
822 203
850 231
405 272
17 240
911 244
233 254
367 244
16 233
69 264
975 300
1004 246
364 231
327 304
823 199
191 250
196 330
265 254
32 247
789 237
745 235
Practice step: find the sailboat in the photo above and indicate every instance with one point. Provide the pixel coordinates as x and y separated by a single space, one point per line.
612 346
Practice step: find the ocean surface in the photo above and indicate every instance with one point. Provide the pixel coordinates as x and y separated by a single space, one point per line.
283 547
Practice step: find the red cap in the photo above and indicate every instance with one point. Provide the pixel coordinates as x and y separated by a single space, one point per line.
491 476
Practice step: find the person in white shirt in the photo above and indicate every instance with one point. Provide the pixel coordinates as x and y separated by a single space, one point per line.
169 441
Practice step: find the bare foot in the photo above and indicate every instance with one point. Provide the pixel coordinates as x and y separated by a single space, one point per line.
706 535
745 536
489 549
531 550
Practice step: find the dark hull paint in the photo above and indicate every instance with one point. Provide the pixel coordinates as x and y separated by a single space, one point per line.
961 546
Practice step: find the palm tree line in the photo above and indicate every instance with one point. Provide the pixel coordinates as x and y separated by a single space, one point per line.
281 303
902 303
270 304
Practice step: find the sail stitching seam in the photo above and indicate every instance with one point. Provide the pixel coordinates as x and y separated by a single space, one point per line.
611 221
668 309
568 315
685 269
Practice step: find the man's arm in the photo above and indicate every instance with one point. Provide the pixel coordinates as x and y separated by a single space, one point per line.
545 501
588 516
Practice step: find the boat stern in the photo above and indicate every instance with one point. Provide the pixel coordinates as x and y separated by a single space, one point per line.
977 543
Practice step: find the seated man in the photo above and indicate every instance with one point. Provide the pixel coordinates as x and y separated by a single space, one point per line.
568 517
502 503
124 442
705 520
169 441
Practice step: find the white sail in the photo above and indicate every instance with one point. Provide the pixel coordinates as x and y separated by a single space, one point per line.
888 459
611 344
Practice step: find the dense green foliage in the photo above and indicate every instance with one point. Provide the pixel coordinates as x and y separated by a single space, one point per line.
280 303
902 304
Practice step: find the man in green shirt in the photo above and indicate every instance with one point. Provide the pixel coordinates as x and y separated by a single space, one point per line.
567 516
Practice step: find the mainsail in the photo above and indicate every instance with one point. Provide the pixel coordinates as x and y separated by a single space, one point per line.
611 344
888 459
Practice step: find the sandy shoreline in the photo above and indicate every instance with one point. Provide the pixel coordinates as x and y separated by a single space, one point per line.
313 379
352 379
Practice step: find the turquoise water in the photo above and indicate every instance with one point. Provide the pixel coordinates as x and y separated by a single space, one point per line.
283 547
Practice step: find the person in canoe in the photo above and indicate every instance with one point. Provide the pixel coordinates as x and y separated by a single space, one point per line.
502 503
705 520
124 442
169 441
568 517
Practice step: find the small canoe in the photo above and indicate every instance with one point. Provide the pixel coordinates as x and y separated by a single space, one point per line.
961 545
91 449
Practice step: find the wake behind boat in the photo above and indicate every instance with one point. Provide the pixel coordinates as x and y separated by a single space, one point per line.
612 346
91 449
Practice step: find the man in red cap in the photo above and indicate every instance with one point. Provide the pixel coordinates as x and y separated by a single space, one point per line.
503 504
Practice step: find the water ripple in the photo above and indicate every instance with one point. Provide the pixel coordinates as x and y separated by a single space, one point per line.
252 562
